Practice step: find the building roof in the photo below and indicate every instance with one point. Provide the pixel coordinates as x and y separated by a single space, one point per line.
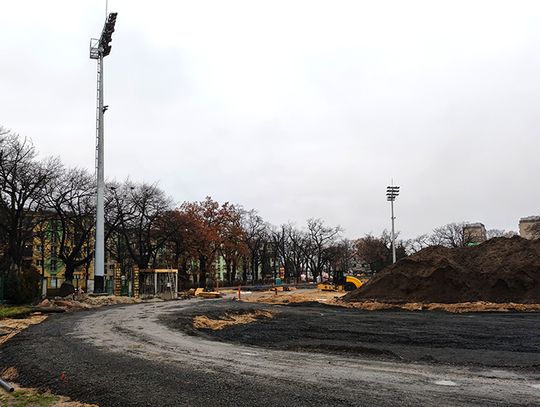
475 225
530 219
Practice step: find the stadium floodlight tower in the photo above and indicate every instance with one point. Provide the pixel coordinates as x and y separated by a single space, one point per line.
391 194
99 49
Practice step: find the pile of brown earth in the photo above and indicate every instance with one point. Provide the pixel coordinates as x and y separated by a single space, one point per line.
83 301
500 270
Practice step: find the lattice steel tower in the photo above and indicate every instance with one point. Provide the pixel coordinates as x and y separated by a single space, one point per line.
99 49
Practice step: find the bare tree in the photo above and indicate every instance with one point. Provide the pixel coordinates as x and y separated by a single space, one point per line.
298 249
22 184
140 210
72 197
339 258
255 236
491 233
373 251
418 243
287 243
319 237
450 235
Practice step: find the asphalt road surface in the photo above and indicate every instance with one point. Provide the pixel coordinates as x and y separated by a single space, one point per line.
148 355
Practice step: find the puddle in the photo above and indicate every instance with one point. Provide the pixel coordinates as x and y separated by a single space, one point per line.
535 386
445 383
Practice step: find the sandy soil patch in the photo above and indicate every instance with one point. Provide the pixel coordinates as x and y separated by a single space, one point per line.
298 296
229 319
11 327
84 301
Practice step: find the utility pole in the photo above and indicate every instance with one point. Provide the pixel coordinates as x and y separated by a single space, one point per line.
391 194
99 49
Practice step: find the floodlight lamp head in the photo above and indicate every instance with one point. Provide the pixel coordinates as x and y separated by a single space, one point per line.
392 192
106 34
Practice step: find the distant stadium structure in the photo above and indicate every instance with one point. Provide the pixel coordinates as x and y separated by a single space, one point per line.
529 227
474 233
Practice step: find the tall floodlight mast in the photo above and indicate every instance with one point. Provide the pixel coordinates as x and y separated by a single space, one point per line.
391 194
99 49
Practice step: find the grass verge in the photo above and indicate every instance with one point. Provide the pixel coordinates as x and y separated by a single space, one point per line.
28 398
14 311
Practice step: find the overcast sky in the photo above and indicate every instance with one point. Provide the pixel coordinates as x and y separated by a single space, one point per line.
296 108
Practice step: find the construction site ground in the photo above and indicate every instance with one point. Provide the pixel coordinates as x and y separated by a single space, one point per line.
336 298
224 352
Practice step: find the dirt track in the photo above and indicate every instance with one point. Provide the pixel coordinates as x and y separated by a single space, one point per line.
129 356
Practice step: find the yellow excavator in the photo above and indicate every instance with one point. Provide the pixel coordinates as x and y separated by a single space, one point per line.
347 283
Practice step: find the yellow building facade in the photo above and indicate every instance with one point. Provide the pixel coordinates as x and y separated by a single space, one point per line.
45 256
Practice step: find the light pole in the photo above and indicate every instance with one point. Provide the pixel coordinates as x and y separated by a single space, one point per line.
391 194
99 49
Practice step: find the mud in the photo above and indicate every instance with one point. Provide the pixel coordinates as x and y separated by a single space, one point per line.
501 270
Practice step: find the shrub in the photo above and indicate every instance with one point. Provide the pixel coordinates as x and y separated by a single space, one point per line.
22 287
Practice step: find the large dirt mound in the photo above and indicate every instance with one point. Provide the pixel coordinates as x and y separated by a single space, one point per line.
499 270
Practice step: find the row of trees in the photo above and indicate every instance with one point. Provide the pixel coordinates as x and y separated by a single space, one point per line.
149 231
144 227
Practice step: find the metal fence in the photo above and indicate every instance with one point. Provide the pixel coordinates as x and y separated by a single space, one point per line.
51 285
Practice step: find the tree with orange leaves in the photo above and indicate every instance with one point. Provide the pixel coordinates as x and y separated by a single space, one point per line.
207 218
233 237
182 238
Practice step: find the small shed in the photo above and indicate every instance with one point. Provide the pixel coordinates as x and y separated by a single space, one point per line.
162 283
